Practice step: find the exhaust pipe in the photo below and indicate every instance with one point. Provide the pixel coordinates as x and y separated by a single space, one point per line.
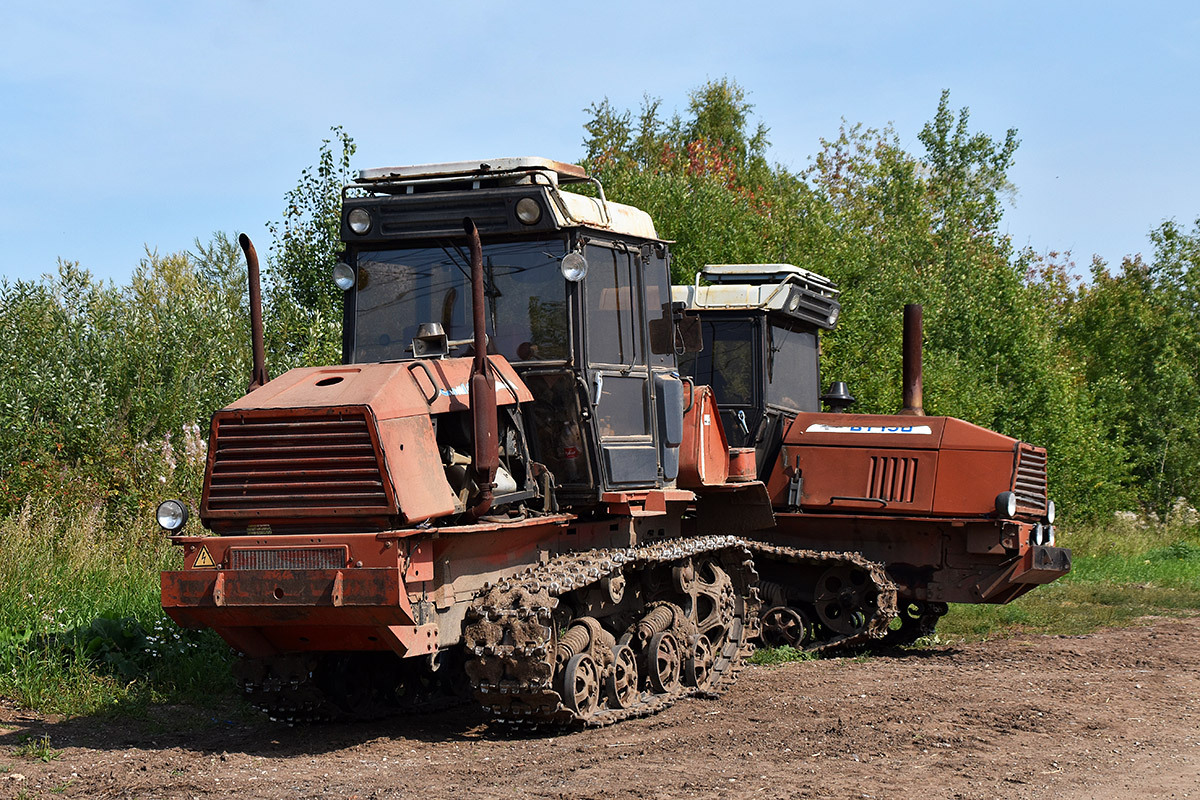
486 447
258 372
912 390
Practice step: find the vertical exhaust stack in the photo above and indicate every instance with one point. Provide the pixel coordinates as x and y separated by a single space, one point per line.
258 372
485 458
912 390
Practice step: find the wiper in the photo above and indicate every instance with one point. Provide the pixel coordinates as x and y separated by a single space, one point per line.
461 268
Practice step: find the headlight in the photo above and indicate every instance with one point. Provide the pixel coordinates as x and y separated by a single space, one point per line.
1038 535
1051 512
359 220
1006 504
528 211
574 266
172 515
834 313
1050 535
343 276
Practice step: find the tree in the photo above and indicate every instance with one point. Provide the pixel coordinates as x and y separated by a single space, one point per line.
889 227
1137 335
306 306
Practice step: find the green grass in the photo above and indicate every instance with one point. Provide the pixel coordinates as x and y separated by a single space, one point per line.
1121 572
37 749
81 629
779 655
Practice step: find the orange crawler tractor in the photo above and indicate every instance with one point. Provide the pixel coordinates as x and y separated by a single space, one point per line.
512 487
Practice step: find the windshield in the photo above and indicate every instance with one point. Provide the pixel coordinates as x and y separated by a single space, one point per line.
524 289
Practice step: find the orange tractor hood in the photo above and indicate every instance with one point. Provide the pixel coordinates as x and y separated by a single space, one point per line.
350 446
895 431
892 464
391 390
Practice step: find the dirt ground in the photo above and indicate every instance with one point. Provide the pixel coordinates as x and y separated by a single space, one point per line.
1115 714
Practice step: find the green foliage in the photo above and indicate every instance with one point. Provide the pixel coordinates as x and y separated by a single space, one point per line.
37 748
890 228
80 616
104 387
1123 569
704 180
770 656
1136 335
305 305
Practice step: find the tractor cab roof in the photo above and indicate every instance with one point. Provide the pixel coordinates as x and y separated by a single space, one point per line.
781 289
568 208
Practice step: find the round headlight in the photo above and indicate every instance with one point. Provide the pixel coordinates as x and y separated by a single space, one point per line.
359 220
1006 504
343 276
528 210
1051 512
1038 535
1050 535
574 266
834 313
172 515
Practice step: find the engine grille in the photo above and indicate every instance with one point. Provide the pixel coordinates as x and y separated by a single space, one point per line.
430 216
295 465
1029 482
288 558
892 478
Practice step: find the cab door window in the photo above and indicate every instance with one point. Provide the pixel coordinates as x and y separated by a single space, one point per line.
613 308
618 375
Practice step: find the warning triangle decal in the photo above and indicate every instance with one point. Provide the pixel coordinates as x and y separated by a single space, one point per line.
204 560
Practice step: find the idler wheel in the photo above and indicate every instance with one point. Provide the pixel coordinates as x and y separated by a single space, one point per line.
840 599
697 669
622 683
785 626
664 662
581 685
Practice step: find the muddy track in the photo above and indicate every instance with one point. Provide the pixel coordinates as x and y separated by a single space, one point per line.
1112 715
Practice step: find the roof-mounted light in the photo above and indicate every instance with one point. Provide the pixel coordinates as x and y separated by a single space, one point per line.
359 220
529 211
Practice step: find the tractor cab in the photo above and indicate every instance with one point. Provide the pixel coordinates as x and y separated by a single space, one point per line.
577 300
760 327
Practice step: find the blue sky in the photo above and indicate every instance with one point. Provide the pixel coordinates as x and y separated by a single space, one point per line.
128 125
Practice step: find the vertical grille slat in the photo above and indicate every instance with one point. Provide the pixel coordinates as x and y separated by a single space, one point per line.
296 464
892 478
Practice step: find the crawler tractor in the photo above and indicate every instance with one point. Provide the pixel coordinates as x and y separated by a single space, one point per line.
938 510
508 491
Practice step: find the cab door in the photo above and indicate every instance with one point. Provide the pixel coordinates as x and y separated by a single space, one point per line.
617 369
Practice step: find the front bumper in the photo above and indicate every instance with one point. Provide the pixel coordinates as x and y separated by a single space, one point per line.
266 612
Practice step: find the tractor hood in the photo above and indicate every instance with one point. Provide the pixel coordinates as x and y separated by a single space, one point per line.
885 464
907 432
347 447
391 390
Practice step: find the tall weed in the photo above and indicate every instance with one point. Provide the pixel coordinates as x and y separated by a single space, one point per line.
81 628
1128 534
